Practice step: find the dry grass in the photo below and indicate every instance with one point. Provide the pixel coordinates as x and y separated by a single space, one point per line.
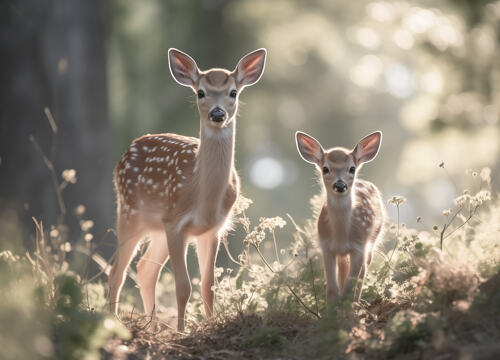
433 293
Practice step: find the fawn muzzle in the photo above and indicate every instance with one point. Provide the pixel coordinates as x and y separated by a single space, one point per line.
340 186
217 115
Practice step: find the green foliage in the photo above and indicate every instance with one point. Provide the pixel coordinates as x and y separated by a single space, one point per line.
21 316
265 337
412 290
44 306
79 332
418 284
408 330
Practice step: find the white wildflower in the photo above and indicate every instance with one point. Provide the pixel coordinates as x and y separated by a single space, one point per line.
66 247
69 175
80 210
397 200
86 225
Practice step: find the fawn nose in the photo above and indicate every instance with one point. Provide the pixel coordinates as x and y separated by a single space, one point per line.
217 114
340 186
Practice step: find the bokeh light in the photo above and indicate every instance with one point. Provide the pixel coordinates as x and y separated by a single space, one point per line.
267 173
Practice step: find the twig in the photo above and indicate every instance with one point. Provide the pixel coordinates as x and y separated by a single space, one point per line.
108 231
314 285
276 247
226 246
471 215
445 227
397 239
288 286
50 166
52 122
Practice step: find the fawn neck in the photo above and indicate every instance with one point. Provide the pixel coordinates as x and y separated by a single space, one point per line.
339 213
214 163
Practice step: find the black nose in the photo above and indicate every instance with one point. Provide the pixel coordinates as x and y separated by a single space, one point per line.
217 114
340 186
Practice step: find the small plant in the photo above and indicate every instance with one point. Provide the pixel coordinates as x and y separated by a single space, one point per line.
265 337
409 330
430 285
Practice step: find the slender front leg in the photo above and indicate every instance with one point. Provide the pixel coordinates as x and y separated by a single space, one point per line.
177 245
330 262
343 262
208 246
357 273
149 268
127 245
359 287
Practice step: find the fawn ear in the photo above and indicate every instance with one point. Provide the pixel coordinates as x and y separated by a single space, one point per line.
309 148
367 148
250 68
183 67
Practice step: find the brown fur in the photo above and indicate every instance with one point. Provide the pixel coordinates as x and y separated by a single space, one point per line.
176 187
350 222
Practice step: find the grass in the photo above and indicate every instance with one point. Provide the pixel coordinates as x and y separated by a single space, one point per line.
430 292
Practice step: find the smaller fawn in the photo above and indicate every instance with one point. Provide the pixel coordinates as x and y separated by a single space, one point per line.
352 217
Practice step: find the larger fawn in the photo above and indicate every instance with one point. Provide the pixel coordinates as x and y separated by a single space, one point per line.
352 217
176 187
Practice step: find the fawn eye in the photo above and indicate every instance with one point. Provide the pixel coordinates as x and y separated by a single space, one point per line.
233 93
325 170
352 169
201 94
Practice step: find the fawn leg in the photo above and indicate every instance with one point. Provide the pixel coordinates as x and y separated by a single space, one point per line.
330 262
149 268
357 273
207 249
127 244
177 246
343 262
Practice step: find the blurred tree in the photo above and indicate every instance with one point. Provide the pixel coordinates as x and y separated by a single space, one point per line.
53 55
144 97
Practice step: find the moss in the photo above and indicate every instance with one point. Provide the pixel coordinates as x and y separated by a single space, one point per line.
266 337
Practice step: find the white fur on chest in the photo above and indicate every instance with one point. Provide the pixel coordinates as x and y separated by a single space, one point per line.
339 222
198 219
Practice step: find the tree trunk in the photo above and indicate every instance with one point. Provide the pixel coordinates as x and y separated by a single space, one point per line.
53 55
